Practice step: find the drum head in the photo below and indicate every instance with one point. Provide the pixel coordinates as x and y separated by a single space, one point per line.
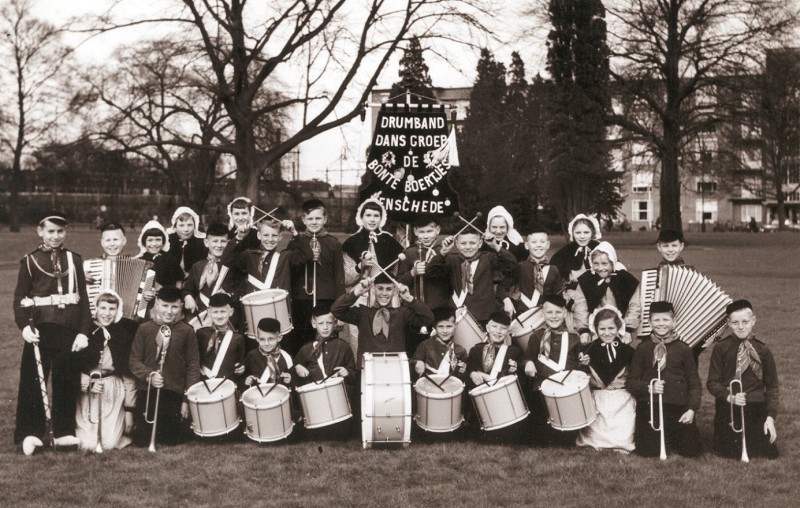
265 398
449 387
565 383
492 385
264 296
526 322
310 387
218 389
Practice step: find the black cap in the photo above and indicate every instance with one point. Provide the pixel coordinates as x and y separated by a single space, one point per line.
112 226
220 300
443 313
661 307
500 318
269 325
312 204
54 216
536 228
556 300
217 229
670 235
169 294
382 278
737 305
424 219
321 309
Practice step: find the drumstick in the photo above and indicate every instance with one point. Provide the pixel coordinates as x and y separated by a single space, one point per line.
400 257
470 223
206 385
326 378
426 376
266 214
271 388
224 378
258 387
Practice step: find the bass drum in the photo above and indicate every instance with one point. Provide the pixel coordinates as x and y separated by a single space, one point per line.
385 400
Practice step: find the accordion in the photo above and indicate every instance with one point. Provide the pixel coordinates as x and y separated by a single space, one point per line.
699 303
128 277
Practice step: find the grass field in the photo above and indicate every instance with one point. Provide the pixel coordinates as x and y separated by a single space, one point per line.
434 472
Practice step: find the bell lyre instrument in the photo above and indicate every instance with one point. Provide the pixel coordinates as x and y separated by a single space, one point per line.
421 281
29 303
95 378
740 430
166 334
660 427
314 248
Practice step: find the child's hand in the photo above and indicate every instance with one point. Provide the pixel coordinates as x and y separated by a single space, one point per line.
341 371
740 399
583 359
419 368
419 268
658 387
687 417
316 249
530 368
251 380
80 343
626 339
185 410
238 369
462 367
508 306
289 226
157 380
148 294
30 335
189 303
404 293
96 386
301 371
585 338
367 261
769 428
447 245
128 426
361 287
286 378
512 366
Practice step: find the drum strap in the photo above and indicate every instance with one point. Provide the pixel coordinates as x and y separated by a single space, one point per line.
267 371
459 299
223 271
533 301
499 360
562 357
223 349
447 360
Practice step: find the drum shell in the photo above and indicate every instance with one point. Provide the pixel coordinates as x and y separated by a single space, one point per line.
569 406
325 403
468 331
213 414
385 399
437 410
524 325
272 303
499 404
267 418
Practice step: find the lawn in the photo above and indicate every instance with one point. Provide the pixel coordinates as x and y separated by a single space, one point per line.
433 471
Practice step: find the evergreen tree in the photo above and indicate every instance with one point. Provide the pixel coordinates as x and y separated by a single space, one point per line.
413 75
579 178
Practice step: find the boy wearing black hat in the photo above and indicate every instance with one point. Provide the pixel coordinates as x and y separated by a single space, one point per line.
381 329
51 308
551 349
209 276
495 358
439 353
221 349
746 358
670 244
317 269
166 348
266 267
268 363
327 355
669 360
534 277
411 270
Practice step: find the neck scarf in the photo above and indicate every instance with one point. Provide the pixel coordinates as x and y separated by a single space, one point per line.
210 272
380 323
489 354
746 356
660 352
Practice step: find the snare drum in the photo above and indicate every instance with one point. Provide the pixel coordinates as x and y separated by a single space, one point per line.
468 331
385 399
200 320
213 408
267 412
569 401
324 403
523 326
499 403
439 409
272 303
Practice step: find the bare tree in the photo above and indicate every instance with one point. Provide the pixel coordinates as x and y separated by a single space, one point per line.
667 58
32 54
321 57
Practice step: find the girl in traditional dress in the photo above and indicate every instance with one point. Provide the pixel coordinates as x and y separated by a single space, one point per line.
108 394
573 258
609 359
500 229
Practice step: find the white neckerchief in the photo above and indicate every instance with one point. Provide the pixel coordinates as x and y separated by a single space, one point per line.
445 366
562 358
223 271
498 361
267 371
267 282
459 299
223 349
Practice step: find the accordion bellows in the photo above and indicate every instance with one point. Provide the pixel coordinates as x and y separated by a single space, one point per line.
130 278
699 303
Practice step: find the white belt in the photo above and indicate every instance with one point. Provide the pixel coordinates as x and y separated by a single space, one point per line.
68 299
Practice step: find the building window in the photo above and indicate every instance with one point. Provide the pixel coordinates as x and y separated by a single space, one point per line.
641 210
751 211
642 181
793 196
792 173
706 187
706 210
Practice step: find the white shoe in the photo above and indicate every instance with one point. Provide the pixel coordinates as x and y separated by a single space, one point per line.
67 442
30 444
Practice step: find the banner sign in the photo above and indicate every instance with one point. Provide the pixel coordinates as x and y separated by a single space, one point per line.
411 156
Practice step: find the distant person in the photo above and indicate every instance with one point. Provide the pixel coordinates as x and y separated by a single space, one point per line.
753 225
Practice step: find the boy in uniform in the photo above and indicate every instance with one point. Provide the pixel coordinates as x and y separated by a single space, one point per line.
209 276
472 272
327 354
439 354
551 349
241 232
265 267
535 277
268 363
665 357
221 349
166 346
314 247
745 357
52 310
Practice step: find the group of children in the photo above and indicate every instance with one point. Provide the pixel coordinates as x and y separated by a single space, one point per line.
395 300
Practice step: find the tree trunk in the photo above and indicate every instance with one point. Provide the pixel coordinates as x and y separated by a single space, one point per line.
248 172
780 198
